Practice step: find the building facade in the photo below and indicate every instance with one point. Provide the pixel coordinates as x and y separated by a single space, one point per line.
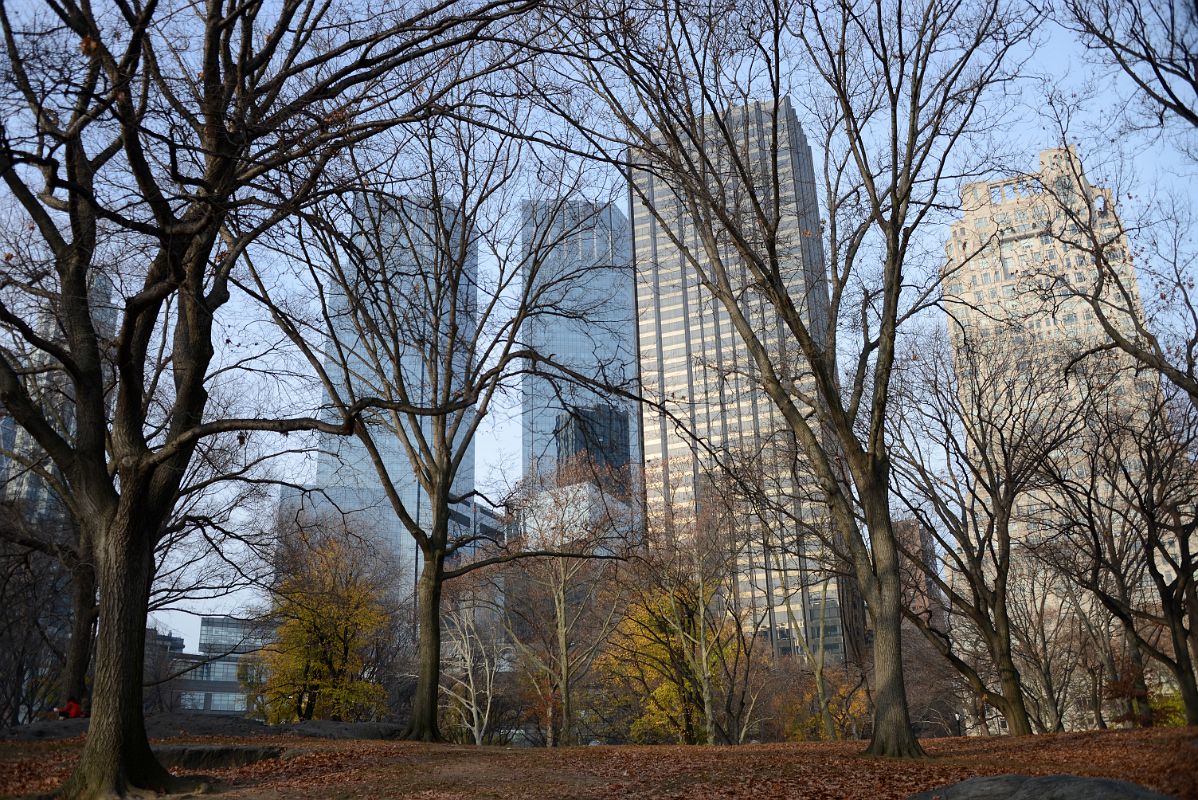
578 256
713 411
1019 266
1022 259
209 681
411 343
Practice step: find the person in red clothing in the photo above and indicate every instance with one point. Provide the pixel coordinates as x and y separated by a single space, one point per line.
71 710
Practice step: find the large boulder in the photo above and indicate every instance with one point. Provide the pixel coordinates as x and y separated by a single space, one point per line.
1048 787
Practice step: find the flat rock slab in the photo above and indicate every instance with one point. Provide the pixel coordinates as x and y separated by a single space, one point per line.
197 756
1048 787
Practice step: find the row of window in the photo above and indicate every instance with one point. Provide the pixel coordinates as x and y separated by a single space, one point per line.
212 701
214 671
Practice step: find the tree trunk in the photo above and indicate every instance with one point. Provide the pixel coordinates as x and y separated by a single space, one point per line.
117 758
980 719
892 722
821 694
705 682
1183 667
423 725
1189 699
1096 697
892 734
1015 713
563 655
1139 712
83 631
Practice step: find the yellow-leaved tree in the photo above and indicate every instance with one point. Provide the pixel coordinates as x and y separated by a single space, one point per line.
330 604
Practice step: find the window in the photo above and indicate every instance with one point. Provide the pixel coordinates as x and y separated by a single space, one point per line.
228 701
217 671
191 701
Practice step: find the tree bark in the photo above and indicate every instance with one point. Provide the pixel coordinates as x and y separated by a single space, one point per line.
1096 697
892 723
563 655
1018 723
1183 667
117 758
83 631
423 725
893 735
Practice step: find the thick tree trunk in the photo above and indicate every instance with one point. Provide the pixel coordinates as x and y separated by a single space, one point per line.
1018 723
423 725
892 721
117 759
892 735
1183 668
83 631
1189 695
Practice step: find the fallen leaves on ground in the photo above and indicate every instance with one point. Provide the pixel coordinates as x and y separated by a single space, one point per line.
1163 759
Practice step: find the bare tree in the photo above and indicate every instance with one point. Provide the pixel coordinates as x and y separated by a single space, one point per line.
1128 530
893 92
33 634
973 434
418 309
478 652
181 133
1045 628
559 610
1130 242
1155 44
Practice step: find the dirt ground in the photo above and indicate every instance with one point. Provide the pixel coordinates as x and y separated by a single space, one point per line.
1165 760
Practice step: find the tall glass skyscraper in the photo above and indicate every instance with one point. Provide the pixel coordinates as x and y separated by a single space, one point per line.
578 255
409 341
714 412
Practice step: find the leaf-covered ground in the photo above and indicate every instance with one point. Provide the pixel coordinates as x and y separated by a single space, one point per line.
1165 760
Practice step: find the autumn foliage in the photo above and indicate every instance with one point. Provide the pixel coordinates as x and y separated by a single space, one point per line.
329 606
